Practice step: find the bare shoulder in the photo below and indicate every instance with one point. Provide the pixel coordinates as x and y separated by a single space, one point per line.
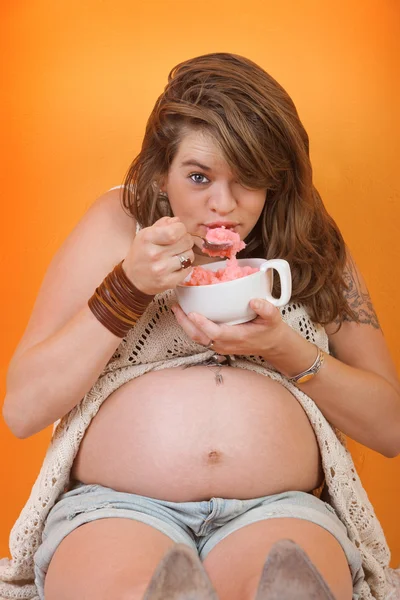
110 203
98 242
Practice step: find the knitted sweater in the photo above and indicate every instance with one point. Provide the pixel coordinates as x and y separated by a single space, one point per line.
158 342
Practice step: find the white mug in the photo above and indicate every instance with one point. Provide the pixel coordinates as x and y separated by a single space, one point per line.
228 302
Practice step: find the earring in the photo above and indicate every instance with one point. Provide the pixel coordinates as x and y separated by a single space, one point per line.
158 191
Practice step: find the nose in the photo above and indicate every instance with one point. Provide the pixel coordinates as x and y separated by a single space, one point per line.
222 200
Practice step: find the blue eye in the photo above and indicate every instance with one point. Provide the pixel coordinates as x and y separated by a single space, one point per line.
198 178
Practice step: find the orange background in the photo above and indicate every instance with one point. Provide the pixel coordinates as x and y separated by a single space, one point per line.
80 80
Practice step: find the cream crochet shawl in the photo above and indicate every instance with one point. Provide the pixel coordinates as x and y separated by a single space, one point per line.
158 342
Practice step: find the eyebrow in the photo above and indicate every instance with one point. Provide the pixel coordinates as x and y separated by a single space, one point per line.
195 163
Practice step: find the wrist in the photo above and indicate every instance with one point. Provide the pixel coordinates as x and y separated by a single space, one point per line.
311 371
138 284
293 354
117 303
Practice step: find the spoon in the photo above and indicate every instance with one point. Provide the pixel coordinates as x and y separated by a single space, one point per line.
213 245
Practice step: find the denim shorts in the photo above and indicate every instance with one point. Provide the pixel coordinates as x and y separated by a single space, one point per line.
200 525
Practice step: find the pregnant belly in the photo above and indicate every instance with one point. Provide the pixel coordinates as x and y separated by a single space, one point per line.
176 435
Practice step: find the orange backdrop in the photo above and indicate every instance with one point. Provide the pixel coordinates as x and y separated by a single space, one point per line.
80 81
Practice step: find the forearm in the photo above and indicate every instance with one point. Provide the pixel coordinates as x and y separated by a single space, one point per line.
49 379
359 403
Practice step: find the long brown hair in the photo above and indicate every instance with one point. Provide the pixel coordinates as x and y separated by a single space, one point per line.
255 123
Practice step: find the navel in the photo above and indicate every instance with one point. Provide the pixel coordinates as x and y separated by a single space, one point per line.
214 457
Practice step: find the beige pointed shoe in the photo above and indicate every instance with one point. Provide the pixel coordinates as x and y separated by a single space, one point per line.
289 574
180 576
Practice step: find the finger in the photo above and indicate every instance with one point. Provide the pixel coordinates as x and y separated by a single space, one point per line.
174 264
267 311
188 326
188 255
211 330
166 233
183 245
165 220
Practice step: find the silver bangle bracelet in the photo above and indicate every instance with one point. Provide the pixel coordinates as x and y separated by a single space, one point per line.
312 371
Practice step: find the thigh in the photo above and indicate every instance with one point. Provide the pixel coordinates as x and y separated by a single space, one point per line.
235 563
105 558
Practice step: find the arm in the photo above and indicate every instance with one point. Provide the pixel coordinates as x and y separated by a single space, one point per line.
357 388
51 377
65 348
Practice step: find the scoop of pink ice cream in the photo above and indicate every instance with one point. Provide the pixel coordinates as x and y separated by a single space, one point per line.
221 235
232 270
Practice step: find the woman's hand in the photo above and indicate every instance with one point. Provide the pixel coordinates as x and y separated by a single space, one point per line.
153 260
259 337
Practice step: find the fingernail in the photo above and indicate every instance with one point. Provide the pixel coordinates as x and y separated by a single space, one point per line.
256 304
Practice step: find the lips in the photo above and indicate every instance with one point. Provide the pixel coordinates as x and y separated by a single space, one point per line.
226 224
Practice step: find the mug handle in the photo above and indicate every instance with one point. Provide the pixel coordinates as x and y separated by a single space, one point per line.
283 268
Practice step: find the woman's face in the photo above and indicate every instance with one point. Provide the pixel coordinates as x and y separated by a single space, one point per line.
203 191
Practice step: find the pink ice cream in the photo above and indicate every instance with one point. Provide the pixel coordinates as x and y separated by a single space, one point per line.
220 235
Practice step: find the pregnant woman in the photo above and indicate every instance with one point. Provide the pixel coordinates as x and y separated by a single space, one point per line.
180 442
